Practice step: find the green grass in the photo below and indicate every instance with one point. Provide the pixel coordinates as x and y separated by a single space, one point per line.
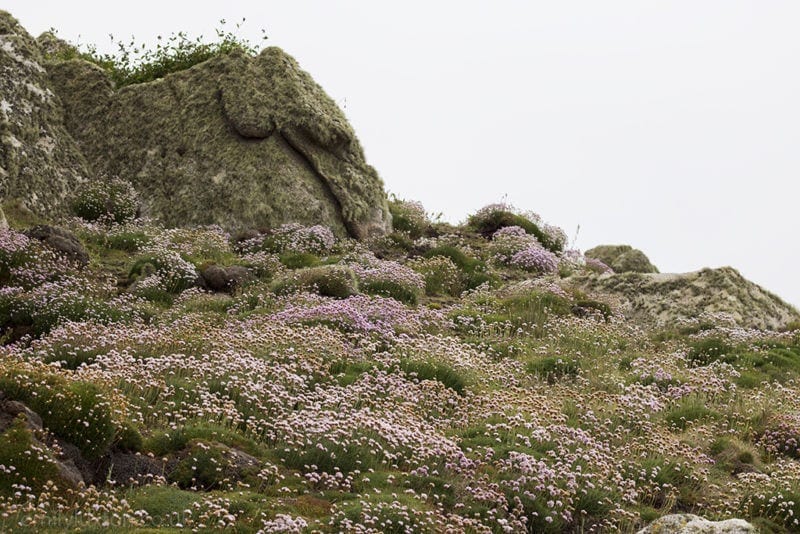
30 467
433 370
329 456
474 271
164 442
134 64
710 350
335 281
688 411
74 411
389 288
554 368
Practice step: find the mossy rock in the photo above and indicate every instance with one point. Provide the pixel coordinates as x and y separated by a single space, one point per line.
40 163
237 140
663 299
622 258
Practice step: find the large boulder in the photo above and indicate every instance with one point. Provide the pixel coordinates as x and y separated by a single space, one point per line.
692 524
622 258
663 299
39 161
238 140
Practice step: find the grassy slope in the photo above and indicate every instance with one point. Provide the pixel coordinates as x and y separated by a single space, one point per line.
498 406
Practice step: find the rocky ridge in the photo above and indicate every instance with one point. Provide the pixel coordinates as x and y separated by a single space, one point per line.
237 140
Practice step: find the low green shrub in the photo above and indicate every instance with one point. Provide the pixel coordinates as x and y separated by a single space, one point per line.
474 271
32 465
335 281
442 276
112 201
163 271
76 411
299 260
128 241
204 466
709 350
496 216
433 370
409 217
686 412
329 456
388 279
553 368
164 442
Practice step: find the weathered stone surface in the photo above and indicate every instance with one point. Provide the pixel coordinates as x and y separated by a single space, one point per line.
126 468
10 410
62 241
692 524
622 258
226 279
237 140
661 299
39 162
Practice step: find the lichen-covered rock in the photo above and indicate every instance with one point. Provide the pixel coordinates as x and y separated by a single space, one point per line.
692 524
62 241
39 162
225 279
622 258
11 411
237 140
662 299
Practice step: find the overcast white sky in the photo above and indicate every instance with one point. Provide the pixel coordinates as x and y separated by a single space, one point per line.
670 125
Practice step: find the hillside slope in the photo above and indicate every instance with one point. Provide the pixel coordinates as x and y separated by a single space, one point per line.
440 379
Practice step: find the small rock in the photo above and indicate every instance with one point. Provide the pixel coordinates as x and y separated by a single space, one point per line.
226 279
67 470
11 409
60 240
622 258
126 468
692 524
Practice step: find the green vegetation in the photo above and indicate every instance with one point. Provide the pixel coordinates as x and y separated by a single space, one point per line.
408 217
487 222
76 411
525 397
329 280
435 371
135 63
33 467
552 368
686 412
109 201
474 271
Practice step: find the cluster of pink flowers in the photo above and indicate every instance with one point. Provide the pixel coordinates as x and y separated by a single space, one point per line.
360 313
371 270
535 259
598 266
294 238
